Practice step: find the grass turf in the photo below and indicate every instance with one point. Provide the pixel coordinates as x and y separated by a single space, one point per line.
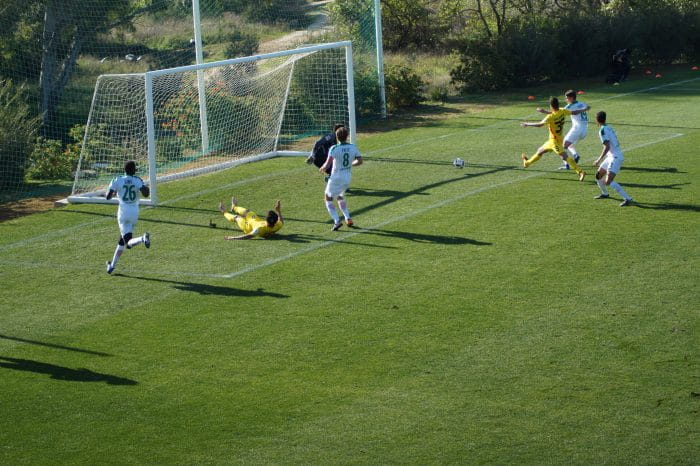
484 315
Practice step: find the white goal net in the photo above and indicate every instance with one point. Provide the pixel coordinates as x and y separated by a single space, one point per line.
194 119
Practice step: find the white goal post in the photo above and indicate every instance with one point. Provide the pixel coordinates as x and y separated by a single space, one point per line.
254 108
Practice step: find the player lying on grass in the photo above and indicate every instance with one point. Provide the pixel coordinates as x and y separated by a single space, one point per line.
612 159
127 188
250 224
555 122
341 158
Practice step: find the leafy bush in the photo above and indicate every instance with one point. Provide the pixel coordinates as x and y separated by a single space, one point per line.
241 44
532 49
18 128
50 161
404 88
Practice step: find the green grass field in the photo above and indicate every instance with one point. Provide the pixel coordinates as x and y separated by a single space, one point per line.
484 315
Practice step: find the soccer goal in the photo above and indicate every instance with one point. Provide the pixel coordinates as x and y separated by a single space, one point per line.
203 118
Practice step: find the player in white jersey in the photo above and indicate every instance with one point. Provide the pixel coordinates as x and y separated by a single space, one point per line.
579 127
611 158
128 189
343 156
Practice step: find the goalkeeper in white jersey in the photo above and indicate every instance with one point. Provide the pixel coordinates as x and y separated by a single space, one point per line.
128 189
341 157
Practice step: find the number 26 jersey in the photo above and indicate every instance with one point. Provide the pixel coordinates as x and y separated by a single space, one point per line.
128 189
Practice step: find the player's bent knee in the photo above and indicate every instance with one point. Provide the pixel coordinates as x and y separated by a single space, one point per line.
126 238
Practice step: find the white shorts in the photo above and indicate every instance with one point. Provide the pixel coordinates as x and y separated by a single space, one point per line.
612 164
337 186
576 134
127 216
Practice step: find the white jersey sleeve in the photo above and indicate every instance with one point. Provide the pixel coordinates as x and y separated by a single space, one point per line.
580 119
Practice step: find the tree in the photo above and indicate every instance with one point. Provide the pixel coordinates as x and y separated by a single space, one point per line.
67 26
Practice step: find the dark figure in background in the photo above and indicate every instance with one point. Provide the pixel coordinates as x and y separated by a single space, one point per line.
319 153
620 66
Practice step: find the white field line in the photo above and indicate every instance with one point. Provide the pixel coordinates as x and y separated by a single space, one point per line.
54 233
399 218
346 236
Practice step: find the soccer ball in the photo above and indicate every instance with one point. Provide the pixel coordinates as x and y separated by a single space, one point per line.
458 163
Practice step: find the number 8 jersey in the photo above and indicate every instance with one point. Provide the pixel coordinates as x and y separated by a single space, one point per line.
343 155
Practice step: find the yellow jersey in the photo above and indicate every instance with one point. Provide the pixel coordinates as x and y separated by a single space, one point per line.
555 122
257 225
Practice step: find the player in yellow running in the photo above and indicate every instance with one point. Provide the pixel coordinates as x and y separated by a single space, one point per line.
250 224
555 122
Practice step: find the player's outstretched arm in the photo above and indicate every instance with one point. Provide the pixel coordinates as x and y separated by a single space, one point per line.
525 124
542 110
358 161
278 210
581 110
248 236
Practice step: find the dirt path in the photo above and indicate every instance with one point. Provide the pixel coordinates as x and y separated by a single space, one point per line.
303 36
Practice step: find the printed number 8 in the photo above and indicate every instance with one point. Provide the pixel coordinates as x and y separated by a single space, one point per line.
346 159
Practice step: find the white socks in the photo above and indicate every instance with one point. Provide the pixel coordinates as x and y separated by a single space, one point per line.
135 241
331 210
601 185
344 207
616 186
117 252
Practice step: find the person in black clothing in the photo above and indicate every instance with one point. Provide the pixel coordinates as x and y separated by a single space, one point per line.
319 153
620 66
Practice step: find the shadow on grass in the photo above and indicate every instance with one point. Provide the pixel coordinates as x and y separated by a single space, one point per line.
302 238
62 373
209 290
51 345
675 186
423 238
653 169
666 206
421 190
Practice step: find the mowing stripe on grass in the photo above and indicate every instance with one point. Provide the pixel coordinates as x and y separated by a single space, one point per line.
61 232
399 218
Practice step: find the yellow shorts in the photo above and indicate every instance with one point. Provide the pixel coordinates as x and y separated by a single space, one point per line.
246 223
552 145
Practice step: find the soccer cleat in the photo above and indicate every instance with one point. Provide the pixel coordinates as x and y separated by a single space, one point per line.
524 158
577 158
147 240
350 222
602 196
581 175
110 269
336 226
626 202
564 167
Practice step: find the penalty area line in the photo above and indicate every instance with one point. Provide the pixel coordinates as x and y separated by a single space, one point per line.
398 218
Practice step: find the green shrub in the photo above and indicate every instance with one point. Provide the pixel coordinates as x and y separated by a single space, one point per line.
241 44
404 88
533 49
18 128
51 161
